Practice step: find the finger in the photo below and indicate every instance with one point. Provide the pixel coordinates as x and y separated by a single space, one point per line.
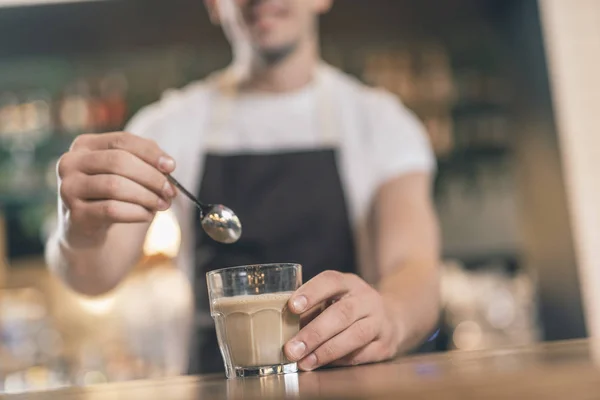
115 187
357 336
311 314
112 211
373 352
335 319
120 162
323 287
145 149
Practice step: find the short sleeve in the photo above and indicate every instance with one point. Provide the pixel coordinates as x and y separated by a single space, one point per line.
400 142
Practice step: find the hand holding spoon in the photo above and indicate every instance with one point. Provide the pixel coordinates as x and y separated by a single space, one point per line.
218 221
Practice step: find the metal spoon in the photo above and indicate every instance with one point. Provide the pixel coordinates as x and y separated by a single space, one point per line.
218 221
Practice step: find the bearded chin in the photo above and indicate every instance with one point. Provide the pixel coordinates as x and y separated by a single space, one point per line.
277 55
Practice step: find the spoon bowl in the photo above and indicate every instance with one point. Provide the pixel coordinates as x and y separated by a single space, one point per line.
218 221
221 224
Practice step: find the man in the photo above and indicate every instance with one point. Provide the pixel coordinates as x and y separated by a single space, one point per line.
320 169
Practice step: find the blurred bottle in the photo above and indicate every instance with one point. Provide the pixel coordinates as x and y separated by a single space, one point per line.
113 92
471 86
36 116
370 69
75 112
436 84
441 134
91 365
498 90
394 71
10 116
22 314
488 307
99 111
403 71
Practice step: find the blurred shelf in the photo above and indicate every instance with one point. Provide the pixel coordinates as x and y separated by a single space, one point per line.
509 260
458 109
473 155
468 108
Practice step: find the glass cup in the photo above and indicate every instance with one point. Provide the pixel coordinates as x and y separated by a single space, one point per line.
253 322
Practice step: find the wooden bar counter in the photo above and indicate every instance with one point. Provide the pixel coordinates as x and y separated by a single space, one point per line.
563 370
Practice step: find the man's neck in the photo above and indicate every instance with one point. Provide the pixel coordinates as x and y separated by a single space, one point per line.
291 73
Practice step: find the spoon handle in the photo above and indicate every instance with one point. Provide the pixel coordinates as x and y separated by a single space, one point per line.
186 192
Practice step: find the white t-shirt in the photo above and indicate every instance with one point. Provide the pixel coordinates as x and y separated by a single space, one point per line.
377 137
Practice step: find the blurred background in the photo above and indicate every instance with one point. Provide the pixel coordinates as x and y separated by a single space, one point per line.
475 71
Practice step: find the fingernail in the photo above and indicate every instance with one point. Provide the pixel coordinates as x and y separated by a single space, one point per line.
309 363
166 164
162 205
296 349
299 303
168 190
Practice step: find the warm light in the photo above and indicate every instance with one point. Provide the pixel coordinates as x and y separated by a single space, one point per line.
164 236
467 336
171 288
501 311
97 306
14 383
94 378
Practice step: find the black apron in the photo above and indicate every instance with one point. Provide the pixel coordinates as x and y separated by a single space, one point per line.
293 209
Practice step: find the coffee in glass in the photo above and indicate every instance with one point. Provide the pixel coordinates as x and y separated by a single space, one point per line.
253 322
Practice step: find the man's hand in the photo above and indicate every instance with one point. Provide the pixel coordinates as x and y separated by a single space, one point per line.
351 327
112 178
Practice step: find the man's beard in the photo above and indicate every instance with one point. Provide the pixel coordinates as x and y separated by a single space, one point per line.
275 56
